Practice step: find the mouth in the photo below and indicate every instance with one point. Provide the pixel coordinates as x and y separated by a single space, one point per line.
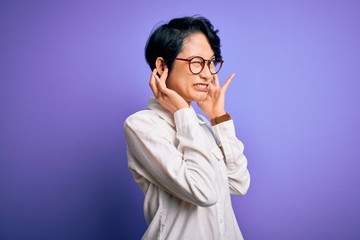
202 87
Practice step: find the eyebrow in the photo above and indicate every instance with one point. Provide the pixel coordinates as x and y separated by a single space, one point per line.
211 58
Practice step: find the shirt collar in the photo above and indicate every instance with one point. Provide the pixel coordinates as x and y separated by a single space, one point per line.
163 113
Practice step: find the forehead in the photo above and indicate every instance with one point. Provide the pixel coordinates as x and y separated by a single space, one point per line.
196 44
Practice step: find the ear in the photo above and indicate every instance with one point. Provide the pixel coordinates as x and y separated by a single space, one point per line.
160 65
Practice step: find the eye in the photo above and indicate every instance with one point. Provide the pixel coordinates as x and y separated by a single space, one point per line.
197 62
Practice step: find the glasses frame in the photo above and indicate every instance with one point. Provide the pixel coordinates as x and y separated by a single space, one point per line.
205 62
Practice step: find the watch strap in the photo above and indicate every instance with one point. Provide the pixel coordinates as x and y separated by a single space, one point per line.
220 119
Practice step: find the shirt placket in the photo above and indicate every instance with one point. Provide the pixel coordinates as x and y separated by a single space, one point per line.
221 220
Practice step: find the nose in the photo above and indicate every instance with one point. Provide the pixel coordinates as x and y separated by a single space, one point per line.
205 73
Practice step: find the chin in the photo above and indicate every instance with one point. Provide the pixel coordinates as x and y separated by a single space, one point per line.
199 99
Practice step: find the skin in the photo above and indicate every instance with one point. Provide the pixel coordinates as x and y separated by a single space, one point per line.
180 88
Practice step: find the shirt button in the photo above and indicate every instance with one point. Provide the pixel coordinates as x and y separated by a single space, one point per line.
221 220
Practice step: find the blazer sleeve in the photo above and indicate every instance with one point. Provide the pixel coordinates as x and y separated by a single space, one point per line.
235 160
186 170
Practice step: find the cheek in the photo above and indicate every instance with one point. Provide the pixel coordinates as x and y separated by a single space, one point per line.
179 80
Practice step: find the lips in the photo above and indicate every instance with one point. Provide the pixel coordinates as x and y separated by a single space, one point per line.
202 87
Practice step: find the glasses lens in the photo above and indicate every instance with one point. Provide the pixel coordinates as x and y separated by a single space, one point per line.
196 65
215 66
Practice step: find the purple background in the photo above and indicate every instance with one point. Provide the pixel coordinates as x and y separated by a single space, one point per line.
72 71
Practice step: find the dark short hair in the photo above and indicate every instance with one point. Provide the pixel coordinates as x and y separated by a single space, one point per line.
167 40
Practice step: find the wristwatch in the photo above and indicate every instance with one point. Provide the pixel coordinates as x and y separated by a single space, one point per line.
220 119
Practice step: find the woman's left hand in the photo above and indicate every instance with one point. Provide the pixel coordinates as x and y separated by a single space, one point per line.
214 104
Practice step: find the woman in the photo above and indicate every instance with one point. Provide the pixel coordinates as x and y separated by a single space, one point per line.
186 167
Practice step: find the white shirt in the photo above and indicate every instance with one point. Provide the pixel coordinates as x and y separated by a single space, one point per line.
187 170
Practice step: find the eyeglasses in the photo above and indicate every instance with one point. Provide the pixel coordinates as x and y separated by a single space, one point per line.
197 64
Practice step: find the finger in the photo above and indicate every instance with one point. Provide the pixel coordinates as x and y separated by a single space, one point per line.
228 81
164 75
160 84
152 83
216 81
211 89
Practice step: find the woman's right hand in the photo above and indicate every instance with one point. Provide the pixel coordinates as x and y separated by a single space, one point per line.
168 98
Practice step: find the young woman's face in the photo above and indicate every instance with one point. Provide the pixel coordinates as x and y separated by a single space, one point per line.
192 87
